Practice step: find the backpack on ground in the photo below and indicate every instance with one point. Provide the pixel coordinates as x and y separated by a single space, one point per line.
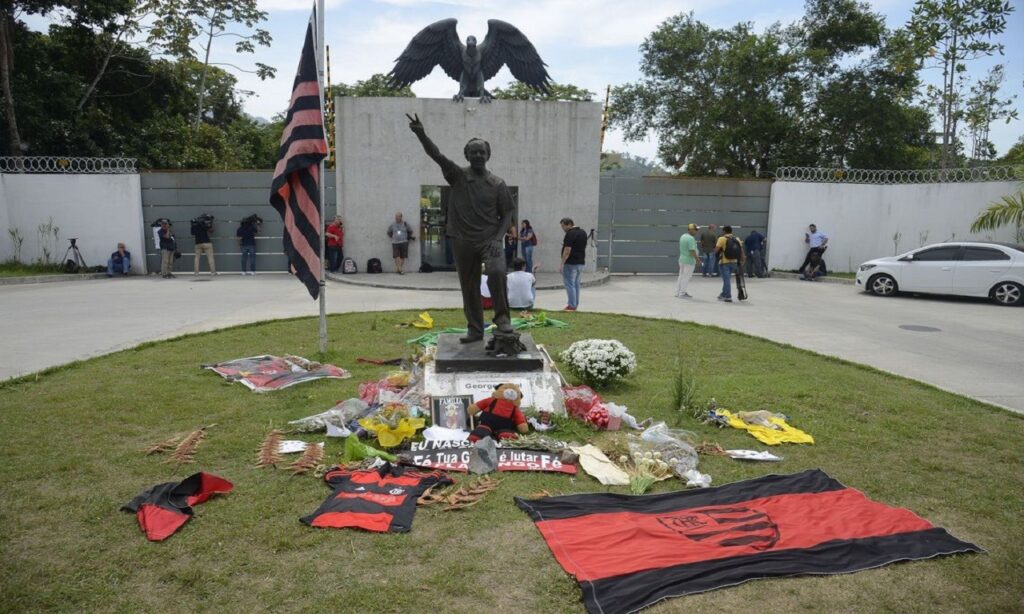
733 249
348 266
373 266
426 267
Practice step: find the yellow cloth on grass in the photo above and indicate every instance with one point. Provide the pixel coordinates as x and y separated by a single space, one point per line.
389 437
772 437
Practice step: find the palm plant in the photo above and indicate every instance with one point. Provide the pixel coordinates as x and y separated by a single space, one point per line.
1006 210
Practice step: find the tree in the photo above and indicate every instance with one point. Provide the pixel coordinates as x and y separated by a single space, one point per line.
180 24
1006 210
1015 155
517 90
82 14
949 34
984 107
374 87
718 99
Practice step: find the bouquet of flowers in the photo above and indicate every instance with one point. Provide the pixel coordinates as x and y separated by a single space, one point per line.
644 469
598 362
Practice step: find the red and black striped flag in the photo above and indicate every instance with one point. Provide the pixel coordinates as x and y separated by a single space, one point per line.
295 190
630 552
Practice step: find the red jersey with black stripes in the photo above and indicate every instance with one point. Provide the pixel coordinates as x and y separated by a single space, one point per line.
381 500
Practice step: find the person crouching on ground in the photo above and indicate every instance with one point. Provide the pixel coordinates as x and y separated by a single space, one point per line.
119 262
815 268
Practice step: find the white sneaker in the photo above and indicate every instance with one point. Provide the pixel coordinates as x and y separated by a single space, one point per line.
253 273
244 273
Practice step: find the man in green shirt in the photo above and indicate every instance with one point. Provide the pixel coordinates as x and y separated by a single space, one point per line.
688 257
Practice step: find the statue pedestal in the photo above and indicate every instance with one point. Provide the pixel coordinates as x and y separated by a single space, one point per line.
467 369
453 357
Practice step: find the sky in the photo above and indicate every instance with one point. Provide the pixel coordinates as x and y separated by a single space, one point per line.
588 43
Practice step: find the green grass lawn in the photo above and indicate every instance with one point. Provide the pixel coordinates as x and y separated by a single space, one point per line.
72 455
21 269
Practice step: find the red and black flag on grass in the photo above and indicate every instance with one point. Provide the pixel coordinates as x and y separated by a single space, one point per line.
628 553
295 191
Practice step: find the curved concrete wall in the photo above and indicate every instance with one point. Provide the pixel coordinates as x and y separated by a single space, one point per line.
99 210
861 220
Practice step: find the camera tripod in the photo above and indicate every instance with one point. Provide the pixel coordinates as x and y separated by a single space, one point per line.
77 255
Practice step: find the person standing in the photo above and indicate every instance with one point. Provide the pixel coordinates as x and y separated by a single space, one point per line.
574 251
688 258
730 255
528 240
754 244
119 262
708 240
816 242
246 235
201 231
335 244
168 246
400 234
511 246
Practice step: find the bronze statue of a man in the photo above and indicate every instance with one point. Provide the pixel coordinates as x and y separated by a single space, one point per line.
479 212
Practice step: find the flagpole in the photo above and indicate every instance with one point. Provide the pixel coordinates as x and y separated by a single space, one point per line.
320 39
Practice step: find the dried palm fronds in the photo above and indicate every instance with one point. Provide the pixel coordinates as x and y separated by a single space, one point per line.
187 448
710 448
162 446
461 498
310 459
270 450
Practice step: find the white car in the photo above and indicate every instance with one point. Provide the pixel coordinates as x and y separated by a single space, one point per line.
988 270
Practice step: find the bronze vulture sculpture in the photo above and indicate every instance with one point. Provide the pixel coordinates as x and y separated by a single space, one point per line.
470 64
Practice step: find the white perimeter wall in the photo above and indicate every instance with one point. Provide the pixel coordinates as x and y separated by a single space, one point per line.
100 210
549 150
860 220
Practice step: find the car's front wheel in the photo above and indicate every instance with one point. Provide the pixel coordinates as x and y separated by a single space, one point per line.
1008 293
882 285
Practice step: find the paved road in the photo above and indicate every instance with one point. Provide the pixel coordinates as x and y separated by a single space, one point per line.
976 350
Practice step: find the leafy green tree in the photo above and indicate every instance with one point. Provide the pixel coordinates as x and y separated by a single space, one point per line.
984 107
182 25
1015 155
517 90
374 87
949 34
81 14
717 98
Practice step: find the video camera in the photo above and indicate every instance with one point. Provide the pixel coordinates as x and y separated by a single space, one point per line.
204 220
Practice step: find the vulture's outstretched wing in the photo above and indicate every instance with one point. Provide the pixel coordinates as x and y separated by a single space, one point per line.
435 44
505 44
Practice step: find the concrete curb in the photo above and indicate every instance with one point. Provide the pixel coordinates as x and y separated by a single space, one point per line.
409 281
42 279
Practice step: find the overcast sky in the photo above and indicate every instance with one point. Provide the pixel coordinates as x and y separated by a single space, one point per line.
589 43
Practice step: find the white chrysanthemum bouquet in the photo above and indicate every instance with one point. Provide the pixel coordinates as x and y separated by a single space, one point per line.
599 362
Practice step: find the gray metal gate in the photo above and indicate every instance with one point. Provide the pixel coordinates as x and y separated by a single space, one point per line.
229 196
640 219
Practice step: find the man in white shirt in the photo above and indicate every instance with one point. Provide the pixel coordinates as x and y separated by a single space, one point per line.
521 286
816 242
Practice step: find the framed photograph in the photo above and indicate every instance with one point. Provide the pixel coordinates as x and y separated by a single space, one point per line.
452 411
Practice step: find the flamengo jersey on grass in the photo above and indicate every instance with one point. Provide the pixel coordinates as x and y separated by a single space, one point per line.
381 500
630 552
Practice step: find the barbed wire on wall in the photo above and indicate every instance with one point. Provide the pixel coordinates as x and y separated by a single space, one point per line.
66 165
948 175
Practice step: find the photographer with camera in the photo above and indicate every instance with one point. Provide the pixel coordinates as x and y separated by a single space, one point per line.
168 248
246 234
201 227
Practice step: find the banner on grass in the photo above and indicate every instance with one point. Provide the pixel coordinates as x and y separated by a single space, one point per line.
454 456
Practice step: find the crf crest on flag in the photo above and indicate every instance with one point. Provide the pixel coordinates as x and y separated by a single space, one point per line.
295 190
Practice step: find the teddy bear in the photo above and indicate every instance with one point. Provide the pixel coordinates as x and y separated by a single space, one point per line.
500 416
